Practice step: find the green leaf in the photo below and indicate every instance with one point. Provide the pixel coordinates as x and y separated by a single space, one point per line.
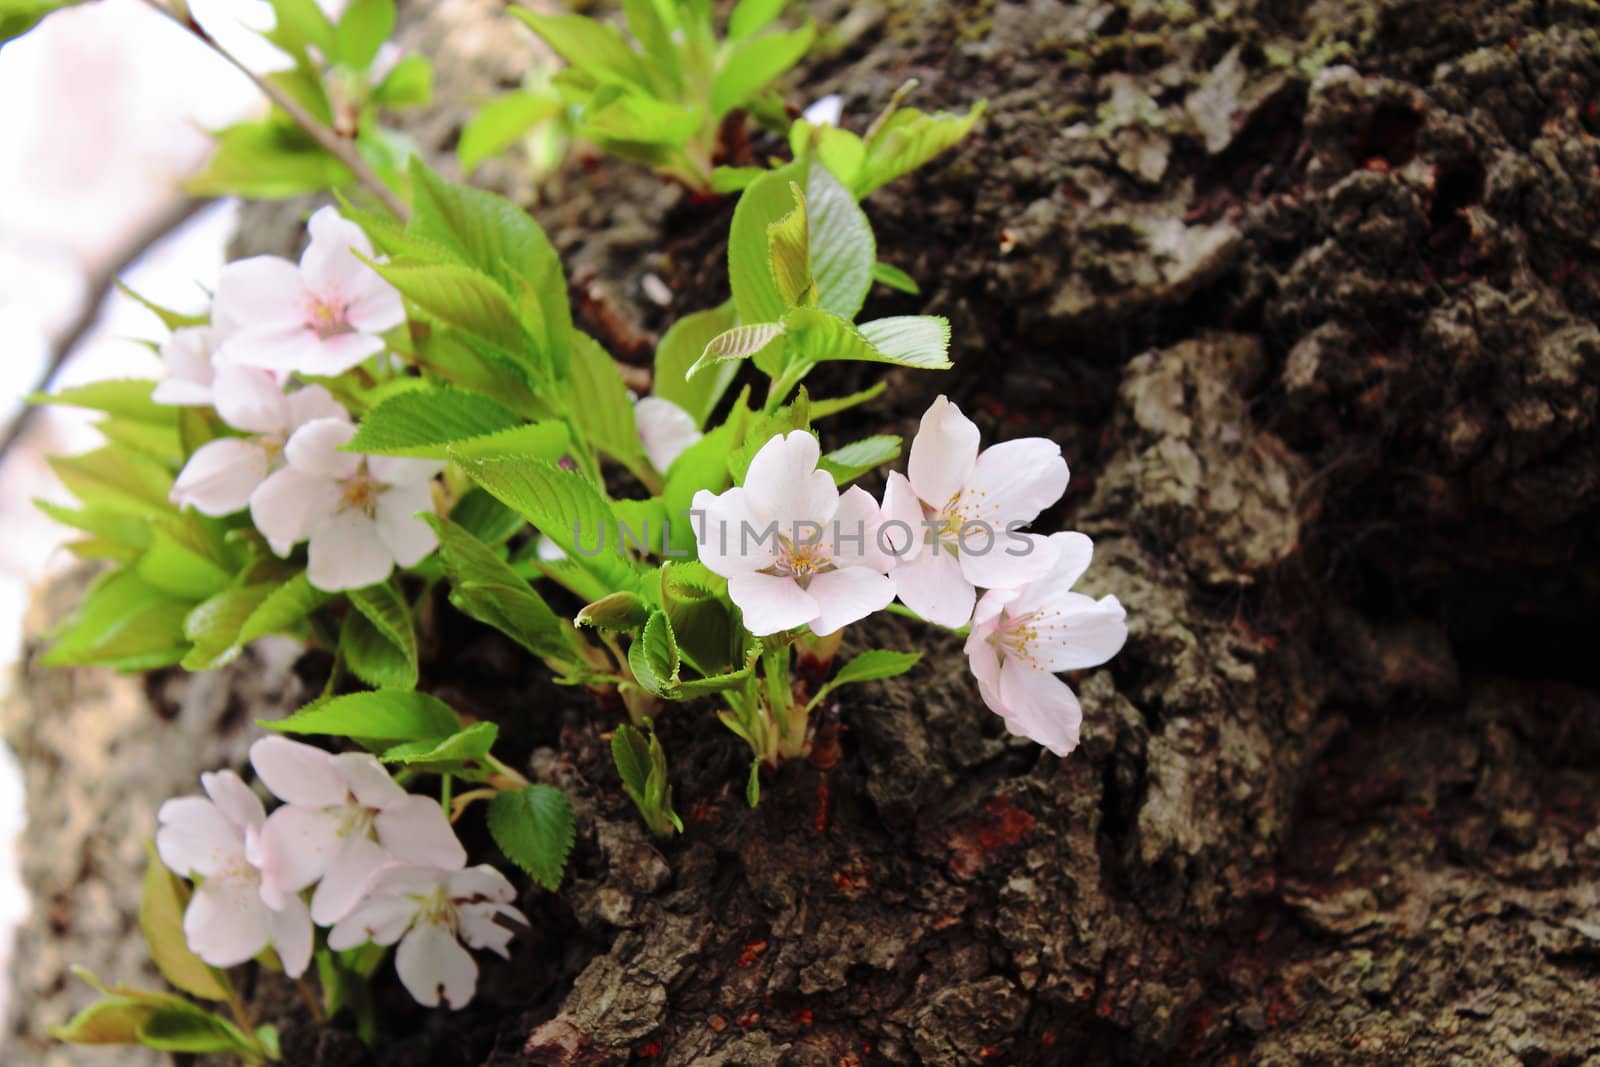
752 784
621 612
753 64
283 609
115 480
17 17
895 278
388 622
870 666
172 320
857 458
534 828
422 422
752 16
363 28
654 32
485 518
458 296
755 289
179 563
642 764
215 625
188 1029
305 22
631 752
473 743
560 504
641 120
105 1022
161 907
789 246
842 246
920 341
501 123
593 47
127 397
725 180
599 397
821 409
653 656
409 84
485 587
381 715
680 348
736 344
269 159
105 523
908 140
123 622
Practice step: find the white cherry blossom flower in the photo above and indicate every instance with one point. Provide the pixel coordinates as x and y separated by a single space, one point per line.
826 111
433 913
321 317
1021 637
795 552
222 474
954 521
187 358
665 429
358 512
342 821
215 839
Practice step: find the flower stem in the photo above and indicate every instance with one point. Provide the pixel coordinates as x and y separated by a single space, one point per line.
341 148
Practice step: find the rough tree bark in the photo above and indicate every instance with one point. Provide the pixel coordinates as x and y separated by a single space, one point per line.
1306 292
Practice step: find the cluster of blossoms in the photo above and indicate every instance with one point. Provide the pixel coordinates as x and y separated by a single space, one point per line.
386 867
273 324
797 552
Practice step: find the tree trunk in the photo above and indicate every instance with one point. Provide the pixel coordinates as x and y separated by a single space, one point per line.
1306 293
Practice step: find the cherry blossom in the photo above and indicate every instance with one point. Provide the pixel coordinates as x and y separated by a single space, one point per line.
795 552
187 358
359 513
433 913
665 430
216 839
825 111
321 317
222 474
1021 637
953 523
343 820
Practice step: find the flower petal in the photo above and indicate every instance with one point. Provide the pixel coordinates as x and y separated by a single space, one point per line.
194 837
281 348
375 305
226 923
1002 563
848 595
665 429
220 477
314 449
298 773
328 265
943 453
369 780
729 534
1078 632
381 919
482 881
479 929
334 355
784 485
408 538
985 663
1074 552
250 399
932 586
771 604
289 504
312 402
262 291
1040 706
397 470
416 831
850 538
350 877
290 926
1014 481
237 802
433 966
904 536
297 846
347 553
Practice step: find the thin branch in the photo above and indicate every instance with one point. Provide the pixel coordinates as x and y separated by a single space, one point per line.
180 212
341 148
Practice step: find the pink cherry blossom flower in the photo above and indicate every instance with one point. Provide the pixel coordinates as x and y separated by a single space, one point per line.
954 521
795 552
665 429
215 838
359 513
343 820
319 318
187 357
222 474
1021 637
433 913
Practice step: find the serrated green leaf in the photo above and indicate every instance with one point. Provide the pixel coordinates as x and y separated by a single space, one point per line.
641 120
875 665
753 64
596 49
126 397
741 342
501 123
105 1022
631 753
362 29
381 715
270 159
857 458
653 656
680 348
423 422
408 84
908 140
123 622
755 290
161 906
283 608
113 479
214 626
473 743
642 764
178 563
751 17
621 612
534 828
485 518
600 398
488 589
188 1029
458 296
109 524
920 341
843 249
895 278
372 657
306 22
789 246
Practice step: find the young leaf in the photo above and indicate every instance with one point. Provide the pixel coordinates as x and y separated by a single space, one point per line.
271 159
283 609
621 612
752 64
187 1029
215 625
127 397
534 828
653 656
789 245
594 48
920 341
766 201
680 348
857 458
363 28
908 140
306 24
631 753
751 17
487 588
473 743
421 422
105 1022
642 764
458 296
637 119
381 715
123 622
605 414
161 907
409 84
741 342
842 246
172 320
116 480
373 657
874 665
501 123
895 278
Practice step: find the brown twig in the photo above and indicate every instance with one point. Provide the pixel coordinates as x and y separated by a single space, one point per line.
341 148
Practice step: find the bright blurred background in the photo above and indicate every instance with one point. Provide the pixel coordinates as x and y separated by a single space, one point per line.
107 108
